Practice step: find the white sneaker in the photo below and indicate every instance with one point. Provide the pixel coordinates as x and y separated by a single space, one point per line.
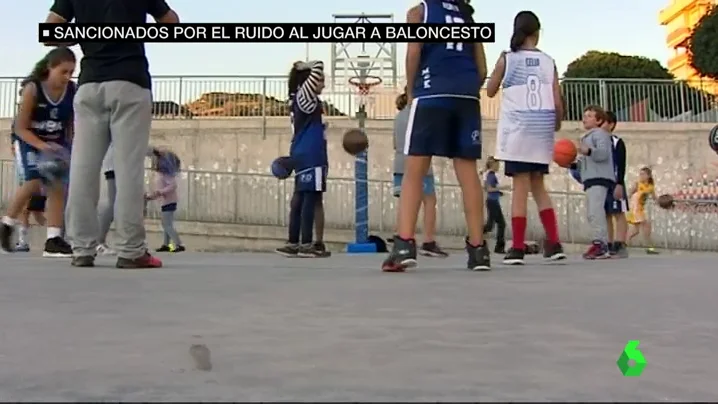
103 249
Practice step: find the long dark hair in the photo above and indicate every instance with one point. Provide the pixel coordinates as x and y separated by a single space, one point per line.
296 78
526 24
52 59
466 10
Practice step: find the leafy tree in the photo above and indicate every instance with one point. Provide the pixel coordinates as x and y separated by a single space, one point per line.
703 48
652 85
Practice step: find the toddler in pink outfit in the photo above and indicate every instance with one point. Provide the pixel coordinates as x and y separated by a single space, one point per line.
165 192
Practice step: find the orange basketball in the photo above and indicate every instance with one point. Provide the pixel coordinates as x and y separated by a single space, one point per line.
564 152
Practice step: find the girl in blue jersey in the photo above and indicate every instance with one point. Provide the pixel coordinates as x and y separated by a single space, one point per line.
443 84
308 153
43 125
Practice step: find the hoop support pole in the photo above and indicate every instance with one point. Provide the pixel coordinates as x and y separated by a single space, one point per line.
361 194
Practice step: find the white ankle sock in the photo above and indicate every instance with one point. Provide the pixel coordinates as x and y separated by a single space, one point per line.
8 221
22 235
53 232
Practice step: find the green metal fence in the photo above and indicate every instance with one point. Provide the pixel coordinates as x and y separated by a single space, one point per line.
184 97
257 199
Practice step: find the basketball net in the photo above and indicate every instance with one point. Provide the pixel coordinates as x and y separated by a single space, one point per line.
362 98
363 90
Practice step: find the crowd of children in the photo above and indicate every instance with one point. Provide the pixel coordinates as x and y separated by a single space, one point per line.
44 127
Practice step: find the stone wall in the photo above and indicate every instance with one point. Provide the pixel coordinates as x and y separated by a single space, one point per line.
226 151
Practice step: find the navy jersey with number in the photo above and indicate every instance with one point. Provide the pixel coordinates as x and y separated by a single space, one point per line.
50 119
446 69
309 143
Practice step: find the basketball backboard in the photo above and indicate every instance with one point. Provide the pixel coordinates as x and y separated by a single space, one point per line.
360 59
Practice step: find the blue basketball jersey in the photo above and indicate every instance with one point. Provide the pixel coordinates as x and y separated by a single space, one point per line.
51 118
446 69
309 143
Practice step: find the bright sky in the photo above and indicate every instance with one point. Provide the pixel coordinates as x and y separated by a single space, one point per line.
569 30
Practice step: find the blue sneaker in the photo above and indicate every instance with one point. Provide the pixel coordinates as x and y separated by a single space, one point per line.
22 247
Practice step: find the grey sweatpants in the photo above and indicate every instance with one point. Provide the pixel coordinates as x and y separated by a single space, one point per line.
125 110
106 212
595 207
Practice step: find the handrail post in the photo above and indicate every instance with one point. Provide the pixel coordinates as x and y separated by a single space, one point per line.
264 108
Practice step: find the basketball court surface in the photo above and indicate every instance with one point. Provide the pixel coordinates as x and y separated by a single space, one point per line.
340 330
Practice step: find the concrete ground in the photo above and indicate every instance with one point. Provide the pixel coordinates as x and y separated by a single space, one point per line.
338 329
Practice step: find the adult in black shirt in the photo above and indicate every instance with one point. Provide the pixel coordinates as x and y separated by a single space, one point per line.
113 97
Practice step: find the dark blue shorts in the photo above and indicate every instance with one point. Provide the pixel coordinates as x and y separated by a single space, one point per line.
445 127
312 179
512 168
614 206
37 203
26 161
26 158
170 207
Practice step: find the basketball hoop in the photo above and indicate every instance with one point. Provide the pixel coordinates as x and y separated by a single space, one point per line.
363 87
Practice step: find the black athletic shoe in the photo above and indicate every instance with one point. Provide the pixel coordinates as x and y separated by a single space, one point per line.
86 261
401 257
6 237
432 249
500 248
479 257
308 251
163 248
321 250
289 250
553 251
57 247
177 249
514 257
612 249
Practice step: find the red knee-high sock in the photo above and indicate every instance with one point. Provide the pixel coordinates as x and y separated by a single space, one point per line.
518 232
548 219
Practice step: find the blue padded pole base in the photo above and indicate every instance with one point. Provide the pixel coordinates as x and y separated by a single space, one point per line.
361 248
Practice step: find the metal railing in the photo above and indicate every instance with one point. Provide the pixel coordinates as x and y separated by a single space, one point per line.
256 199
185 97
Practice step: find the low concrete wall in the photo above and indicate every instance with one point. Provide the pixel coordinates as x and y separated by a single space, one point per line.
218 237
238 189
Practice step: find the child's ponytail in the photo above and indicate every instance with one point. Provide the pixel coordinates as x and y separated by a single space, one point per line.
466 10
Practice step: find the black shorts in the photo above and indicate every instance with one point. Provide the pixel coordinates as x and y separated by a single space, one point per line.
615 206
445 127
512 168
37 203
109 175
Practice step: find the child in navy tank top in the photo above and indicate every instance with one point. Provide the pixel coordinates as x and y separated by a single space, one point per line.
43 125
308 153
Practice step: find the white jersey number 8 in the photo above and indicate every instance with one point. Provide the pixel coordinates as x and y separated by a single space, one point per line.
533 94
454 45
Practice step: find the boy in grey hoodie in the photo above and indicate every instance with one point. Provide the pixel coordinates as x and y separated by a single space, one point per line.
597 173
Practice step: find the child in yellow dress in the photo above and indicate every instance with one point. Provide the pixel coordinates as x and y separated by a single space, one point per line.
638 215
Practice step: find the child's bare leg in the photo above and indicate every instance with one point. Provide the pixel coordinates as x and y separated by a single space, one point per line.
635 230
646 229
39 218
23 226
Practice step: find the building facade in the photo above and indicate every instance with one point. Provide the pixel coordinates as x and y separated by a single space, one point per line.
679 18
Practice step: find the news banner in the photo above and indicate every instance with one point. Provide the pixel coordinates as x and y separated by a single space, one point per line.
213 33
